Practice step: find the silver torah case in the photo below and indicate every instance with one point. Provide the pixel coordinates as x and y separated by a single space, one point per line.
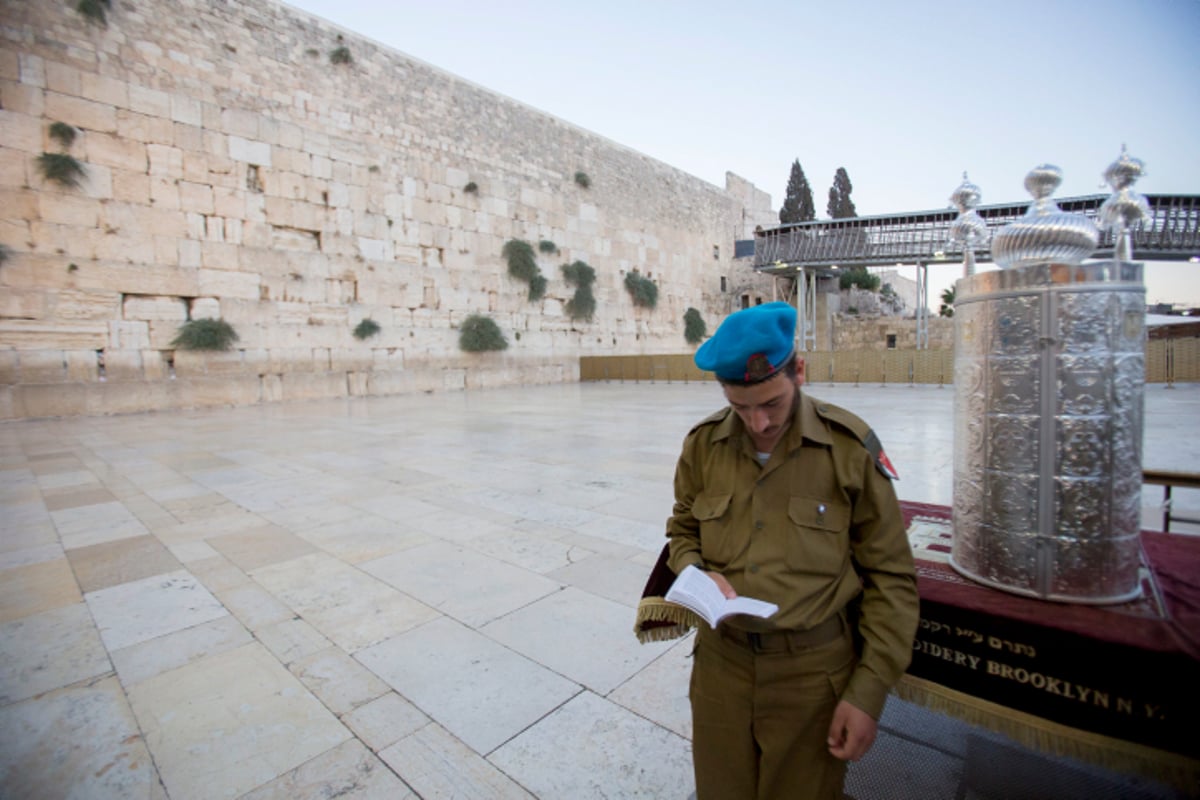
1049 372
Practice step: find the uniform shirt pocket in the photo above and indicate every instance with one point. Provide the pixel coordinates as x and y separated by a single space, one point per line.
716 535
820 537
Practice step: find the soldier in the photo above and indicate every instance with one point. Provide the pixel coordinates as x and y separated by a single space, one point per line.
787 499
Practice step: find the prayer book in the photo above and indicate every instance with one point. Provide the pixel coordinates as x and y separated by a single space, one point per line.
696 591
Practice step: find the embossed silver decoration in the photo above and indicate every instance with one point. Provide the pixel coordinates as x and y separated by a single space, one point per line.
1125 208
1048 377
1046 233
969 229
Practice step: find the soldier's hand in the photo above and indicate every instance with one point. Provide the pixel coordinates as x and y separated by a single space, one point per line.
722 583
851 733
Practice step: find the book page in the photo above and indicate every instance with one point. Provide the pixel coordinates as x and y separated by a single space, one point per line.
699 592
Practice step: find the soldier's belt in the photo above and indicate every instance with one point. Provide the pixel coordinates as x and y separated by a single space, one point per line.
785 641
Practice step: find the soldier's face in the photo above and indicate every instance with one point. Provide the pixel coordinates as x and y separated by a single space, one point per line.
765 408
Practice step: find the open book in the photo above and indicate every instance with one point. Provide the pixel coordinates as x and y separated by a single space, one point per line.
697 591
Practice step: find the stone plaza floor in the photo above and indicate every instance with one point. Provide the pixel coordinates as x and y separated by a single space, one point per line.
425 596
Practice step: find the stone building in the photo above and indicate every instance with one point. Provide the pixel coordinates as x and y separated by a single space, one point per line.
248 162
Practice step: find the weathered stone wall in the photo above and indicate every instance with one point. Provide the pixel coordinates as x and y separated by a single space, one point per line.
234 171
852 332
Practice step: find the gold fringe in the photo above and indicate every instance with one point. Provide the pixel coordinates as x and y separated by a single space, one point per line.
655 609
1052 737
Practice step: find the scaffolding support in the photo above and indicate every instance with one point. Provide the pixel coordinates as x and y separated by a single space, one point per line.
922 306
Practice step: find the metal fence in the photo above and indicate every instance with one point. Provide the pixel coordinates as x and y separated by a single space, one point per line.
1167 361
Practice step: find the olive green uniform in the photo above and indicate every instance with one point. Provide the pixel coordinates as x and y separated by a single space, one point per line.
818 531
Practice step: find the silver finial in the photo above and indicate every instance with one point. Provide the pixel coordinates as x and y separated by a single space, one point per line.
1046 234
1124 208
969 228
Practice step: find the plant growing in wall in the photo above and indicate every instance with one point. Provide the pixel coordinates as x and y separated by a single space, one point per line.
4 253
61 168
522 265
694 329
63 133
582 180
471 188
547 246
480 334
366 329
205 334
583 305
860 277
341 55
643 290
946 309
95 11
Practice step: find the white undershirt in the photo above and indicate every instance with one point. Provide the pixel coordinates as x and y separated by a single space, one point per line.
762 457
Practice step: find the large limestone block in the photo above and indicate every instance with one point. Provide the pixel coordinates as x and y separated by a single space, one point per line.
19 203
358 384
204 307
127 397
20 132
49 400
41 366
192 363
155 366
18 303
313 385
112 151
226 283
123 365
78 304
138 279
201 391
162 334
50 335
251 152
68 209
152 102
360 359
290 359
147 308
145 129
83 366
9 369
81 113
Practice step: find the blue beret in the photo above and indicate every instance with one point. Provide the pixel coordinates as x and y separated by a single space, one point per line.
751 345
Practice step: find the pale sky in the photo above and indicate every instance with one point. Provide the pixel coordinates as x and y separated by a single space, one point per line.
905 95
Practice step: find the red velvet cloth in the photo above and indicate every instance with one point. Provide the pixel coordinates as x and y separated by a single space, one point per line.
1127 670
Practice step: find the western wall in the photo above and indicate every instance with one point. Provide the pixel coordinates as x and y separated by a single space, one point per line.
249 162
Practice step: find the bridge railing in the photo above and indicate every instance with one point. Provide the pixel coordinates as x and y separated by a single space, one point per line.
1171 234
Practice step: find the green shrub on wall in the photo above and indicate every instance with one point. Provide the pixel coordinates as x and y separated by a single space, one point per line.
522 265
63 133
860 277
694 329
582 180
95 11
643 290
583 305
480 334
205 334
61 168
547 246
341 55
366 329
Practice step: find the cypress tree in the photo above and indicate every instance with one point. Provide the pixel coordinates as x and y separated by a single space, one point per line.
840 205
798 205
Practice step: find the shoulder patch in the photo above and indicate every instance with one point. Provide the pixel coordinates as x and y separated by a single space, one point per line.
861 431
713 419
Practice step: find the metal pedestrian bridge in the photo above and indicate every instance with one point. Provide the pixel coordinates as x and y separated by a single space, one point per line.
806 251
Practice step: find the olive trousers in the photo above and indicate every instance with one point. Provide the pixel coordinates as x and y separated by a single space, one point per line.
761 716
